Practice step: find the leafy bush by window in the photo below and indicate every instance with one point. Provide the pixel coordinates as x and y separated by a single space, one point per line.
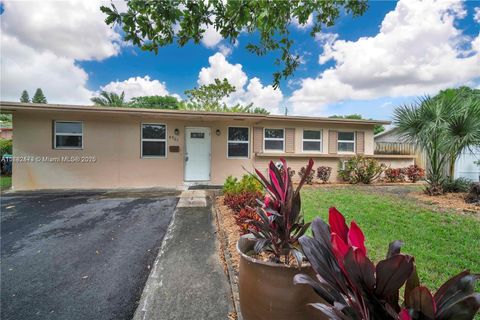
456 185
414 173
395 174
323 173
360 169
308 176
248 183
5 147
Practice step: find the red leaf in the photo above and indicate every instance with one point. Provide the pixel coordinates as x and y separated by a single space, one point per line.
356 238
421 300
337 224
276 184
404 315
340 248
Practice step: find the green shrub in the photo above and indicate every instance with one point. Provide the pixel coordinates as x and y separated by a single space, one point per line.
5 147
456 185
248 183
360 169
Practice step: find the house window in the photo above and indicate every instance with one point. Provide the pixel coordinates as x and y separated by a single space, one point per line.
68 135
312 140
274 139
238 145
154 140
346 141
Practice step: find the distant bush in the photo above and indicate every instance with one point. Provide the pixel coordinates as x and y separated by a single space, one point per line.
323 173
414 173
360 169
456 185
248 183
473 195
309 177
395 174
241 200
5 146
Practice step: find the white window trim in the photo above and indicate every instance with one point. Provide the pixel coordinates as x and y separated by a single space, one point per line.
274 139
347 141
234 141
313 140
55 134
157 140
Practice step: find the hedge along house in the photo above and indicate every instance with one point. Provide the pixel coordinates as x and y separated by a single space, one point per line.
87 147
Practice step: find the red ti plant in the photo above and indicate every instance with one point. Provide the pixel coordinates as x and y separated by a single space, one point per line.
281 222
455 300
351 287
349 284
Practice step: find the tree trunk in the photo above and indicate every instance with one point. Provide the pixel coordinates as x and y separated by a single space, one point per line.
451 168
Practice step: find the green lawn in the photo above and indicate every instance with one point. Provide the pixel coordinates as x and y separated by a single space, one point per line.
443 244
5 182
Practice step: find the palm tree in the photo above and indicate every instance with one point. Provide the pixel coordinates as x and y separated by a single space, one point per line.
442 127
110 99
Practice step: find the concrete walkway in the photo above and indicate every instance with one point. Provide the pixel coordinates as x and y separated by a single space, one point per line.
187 280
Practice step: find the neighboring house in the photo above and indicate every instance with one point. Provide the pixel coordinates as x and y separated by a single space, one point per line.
64 146
6 133
391 142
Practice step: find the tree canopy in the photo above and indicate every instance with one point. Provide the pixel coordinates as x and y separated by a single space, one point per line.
376 129
155 102
442 126
154 24
25 98
110 99
39 97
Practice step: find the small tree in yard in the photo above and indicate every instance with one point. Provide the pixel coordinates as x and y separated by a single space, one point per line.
39 97
443 127
25 98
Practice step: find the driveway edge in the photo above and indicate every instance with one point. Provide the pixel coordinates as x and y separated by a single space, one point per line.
152 281
226 257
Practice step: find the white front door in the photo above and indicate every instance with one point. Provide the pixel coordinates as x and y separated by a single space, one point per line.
197 154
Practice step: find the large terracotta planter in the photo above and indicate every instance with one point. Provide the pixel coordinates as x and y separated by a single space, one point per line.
267 291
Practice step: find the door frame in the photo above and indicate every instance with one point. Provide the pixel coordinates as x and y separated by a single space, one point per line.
209 157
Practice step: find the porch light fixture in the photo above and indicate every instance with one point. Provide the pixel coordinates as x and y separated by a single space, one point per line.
176 131
217 132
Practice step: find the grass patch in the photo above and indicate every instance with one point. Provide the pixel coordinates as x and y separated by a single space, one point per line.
443 244
5 182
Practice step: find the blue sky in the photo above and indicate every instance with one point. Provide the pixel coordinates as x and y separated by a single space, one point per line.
368 65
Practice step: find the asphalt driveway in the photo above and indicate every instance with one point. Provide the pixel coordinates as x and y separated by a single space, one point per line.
79 255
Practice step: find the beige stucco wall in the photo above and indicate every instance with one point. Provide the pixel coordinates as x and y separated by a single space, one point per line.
114 141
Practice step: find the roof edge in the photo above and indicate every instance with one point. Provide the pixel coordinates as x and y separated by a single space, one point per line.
14 106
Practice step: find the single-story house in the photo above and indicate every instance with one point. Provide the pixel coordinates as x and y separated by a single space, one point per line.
80 147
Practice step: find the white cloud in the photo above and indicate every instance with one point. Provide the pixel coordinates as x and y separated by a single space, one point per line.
417 51
71 29
23 67
138 86
41 42
225 50
247 91
220 68
211 37
307 24
476 15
